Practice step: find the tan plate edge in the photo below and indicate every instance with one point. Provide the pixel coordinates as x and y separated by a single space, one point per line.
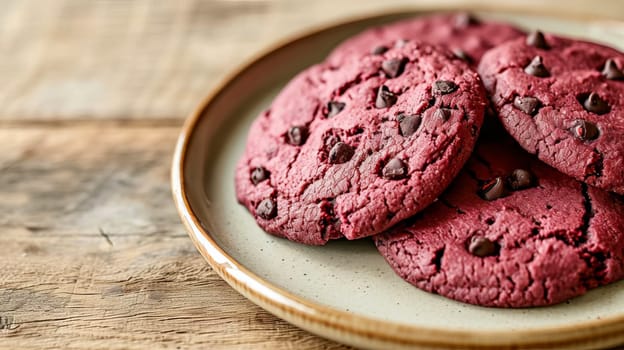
313 317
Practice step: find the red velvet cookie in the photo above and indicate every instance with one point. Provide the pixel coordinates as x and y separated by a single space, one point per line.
465 35
563 100
511 232
352 150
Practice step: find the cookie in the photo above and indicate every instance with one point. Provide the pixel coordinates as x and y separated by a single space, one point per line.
511 232
349 151
562 100
468 37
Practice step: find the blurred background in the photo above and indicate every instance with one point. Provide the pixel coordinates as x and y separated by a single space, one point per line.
92 97
137 59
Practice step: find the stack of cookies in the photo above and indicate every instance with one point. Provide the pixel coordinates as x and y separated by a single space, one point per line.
487 164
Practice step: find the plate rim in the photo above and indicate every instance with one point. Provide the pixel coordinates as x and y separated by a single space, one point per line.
336 324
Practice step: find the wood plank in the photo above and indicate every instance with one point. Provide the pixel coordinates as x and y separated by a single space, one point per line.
135 59
94 255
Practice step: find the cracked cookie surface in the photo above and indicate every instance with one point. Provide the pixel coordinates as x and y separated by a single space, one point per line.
538 239
465 35
350 151
563 100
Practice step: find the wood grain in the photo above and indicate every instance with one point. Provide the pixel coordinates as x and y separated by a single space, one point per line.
138 59
94 255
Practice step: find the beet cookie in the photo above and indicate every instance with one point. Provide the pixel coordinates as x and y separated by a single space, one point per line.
563 100
351 150
464 34
511 232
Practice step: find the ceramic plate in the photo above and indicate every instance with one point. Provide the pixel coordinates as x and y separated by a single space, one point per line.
345 291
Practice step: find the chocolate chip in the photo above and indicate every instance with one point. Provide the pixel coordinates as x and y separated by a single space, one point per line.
379 50
267 209
464 20
527 104
385 97
442 113
611 70
537 39
520 179
536 68
482 247
444 87
340 153
493 189
334 107
393 67
408 124
258 175
593 103
584 130
395 169
297 135
461 54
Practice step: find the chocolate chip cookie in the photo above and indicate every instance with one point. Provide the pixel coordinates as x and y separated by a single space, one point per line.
563 100
464 34
350 150
511 232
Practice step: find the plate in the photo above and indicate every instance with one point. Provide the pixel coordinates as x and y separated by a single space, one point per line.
345 290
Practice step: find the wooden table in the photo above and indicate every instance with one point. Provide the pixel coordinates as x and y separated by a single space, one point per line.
92 96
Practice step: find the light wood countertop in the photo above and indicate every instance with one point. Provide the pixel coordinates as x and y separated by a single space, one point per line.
92 97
